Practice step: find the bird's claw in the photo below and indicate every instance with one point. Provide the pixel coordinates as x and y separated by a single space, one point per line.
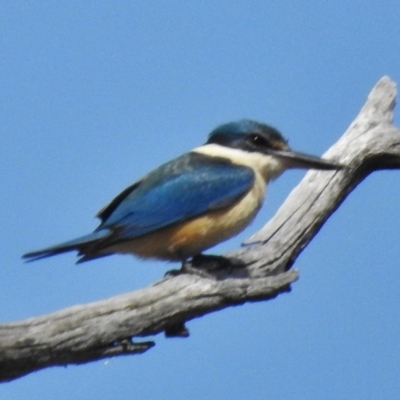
201 265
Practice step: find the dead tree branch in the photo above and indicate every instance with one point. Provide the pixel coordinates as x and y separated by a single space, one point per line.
261 271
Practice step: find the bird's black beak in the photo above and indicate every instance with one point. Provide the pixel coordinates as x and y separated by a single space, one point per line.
294 159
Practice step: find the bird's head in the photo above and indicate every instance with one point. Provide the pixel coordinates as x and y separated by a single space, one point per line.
254 137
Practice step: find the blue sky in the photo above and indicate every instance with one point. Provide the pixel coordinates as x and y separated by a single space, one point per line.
96 94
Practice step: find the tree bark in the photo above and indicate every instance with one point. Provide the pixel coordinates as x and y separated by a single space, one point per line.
257 272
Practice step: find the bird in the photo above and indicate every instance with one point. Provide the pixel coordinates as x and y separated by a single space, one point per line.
195 201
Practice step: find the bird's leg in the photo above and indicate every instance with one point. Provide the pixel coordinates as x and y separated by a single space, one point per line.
210 267
219 266
211 262
202 265
207 265
189 267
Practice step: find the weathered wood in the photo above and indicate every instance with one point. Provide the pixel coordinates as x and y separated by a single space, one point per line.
370 143
261 271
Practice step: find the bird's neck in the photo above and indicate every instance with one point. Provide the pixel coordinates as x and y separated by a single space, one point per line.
266 166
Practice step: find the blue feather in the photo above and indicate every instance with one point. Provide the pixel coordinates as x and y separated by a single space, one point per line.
64 247
179 190
176 191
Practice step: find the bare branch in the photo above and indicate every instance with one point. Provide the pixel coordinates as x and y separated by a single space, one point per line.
261 271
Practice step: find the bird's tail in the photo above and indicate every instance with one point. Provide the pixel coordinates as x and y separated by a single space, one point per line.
82 244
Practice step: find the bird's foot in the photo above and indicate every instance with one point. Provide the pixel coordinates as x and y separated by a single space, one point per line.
208 266
189 267
210 262
205 266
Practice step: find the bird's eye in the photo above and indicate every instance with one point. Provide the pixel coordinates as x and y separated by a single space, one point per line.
257 140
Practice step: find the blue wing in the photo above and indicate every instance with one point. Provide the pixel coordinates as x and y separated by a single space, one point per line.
179 190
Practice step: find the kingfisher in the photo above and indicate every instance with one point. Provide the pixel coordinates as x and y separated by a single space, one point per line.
195 201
